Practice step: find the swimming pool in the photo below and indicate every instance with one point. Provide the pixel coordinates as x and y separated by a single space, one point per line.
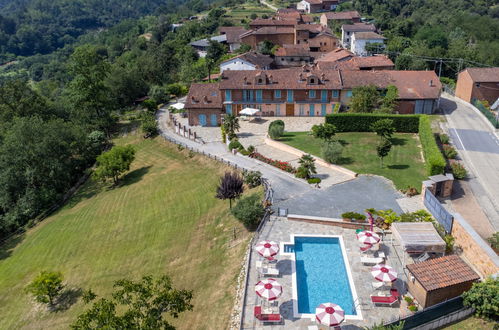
322 275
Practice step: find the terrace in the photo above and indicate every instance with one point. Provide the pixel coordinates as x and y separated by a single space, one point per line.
279 229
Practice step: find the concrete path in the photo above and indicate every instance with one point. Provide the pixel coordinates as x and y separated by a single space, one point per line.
295 194
263 2
478 147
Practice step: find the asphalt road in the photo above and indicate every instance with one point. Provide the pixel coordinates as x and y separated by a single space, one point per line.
478 146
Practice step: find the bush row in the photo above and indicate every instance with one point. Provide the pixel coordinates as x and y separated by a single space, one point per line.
361 122
434 161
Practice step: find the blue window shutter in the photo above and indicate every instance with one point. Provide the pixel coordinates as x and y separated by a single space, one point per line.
228 109
277 94
349 93
228 95
290 95
311 93
324 96
335 93
259 95
323 109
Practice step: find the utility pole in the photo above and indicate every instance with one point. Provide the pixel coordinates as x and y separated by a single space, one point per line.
440 69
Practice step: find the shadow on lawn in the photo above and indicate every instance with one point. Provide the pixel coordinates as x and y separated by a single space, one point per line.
8 246
345 161
398 141
68 298
398 167
134 176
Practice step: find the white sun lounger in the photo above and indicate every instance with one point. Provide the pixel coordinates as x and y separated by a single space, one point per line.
371 261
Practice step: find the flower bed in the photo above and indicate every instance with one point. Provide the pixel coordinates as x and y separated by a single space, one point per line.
285 166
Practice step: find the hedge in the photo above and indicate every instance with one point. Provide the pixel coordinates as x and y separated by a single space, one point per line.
361 122
434 161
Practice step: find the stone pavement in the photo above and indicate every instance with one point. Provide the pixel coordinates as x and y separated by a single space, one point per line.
279 230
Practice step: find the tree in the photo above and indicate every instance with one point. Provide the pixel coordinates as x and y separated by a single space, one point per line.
331 151
46 287
249 211
389 101
111 164
364 99
215 51
383 128
144 304
149 125
230 187
383 149
231 125
307 166
89 96
324 131
484 298
265 47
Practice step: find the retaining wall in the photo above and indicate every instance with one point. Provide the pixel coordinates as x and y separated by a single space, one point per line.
328 221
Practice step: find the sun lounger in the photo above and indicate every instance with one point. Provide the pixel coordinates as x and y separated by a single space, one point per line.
377 285
380 300
371 261
365 248
274 318
268 271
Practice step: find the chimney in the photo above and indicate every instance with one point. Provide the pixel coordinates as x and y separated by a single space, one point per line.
431 83
245 80
205 99
270 78
300 77
323 77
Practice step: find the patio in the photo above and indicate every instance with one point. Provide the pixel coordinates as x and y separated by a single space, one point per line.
279 229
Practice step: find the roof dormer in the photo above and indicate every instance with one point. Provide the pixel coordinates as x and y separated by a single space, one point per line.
261 78
312 79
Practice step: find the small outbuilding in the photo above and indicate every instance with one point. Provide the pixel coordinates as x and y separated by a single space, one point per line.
439 279
418 238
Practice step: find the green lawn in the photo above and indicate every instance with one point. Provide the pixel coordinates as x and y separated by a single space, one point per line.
163 218
471 323
404 165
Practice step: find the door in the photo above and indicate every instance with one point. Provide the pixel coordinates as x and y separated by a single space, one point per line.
323 109
213 120
202 120
312 110
419 107
290 110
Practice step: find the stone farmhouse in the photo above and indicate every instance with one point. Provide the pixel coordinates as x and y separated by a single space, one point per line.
304 91
343 17
317 6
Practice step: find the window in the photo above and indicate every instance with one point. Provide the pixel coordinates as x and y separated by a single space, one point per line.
277 109
228 95
302 109
349 93
228 109
260 81
312 81
324 95
247 95
277 94
259 95
311 93
335 93
290 95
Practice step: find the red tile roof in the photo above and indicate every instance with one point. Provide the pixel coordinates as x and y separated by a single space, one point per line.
269 30
233 33
259 60
272 22
484 74
368 35
442 272
336 55
343 15
358 27
204 96
292 50
373 61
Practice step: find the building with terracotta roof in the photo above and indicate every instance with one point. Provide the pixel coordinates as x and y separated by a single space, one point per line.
436 280
361 40
376 62
247 61
204 105
278 35
292 55
347 30
317 6
345 60
233 34
342 17
309 91
478 84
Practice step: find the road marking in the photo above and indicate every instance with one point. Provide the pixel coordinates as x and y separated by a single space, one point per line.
459 138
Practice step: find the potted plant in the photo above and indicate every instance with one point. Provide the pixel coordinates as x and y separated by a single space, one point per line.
411 304
353 216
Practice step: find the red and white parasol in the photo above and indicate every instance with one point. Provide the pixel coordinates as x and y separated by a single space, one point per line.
368 237
268 289
329 314
384 273
267 249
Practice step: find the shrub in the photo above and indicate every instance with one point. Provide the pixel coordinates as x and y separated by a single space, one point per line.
361 122
149 127
223 133
324 131
307 166
449 243
249 211
331 151
314 180
444 138
251 149
494 240
277 122
46 287
434 161
235 144
413 308
408 300
449 151
417 216
459 171
285 166
252 178
275 132
353 215
484 298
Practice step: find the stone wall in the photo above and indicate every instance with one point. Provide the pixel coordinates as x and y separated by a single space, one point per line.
475 250
328 221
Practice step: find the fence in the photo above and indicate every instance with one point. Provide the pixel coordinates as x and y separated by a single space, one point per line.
449 90
487 113
438 211
183 130
436 316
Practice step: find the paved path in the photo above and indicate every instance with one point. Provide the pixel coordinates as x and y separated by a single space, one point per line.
298 196
263 2
478 146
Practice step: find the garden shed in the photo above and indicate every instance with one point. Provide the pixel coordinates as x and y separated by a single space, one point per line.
439 279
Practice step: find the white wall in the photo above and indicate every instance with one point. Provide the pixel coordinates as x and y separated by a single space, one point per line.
344 36
303 5
236 64
358 47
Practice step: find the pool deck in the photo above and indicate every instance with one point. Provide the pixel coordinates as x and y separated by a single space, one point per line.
279 229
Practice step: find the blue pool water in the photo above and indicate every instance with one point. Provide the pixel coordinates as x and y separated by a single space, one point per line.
321 275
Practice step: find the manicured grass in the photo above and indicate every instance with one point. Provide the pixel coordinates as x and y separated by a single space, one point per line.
162 219
404 165
471 323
